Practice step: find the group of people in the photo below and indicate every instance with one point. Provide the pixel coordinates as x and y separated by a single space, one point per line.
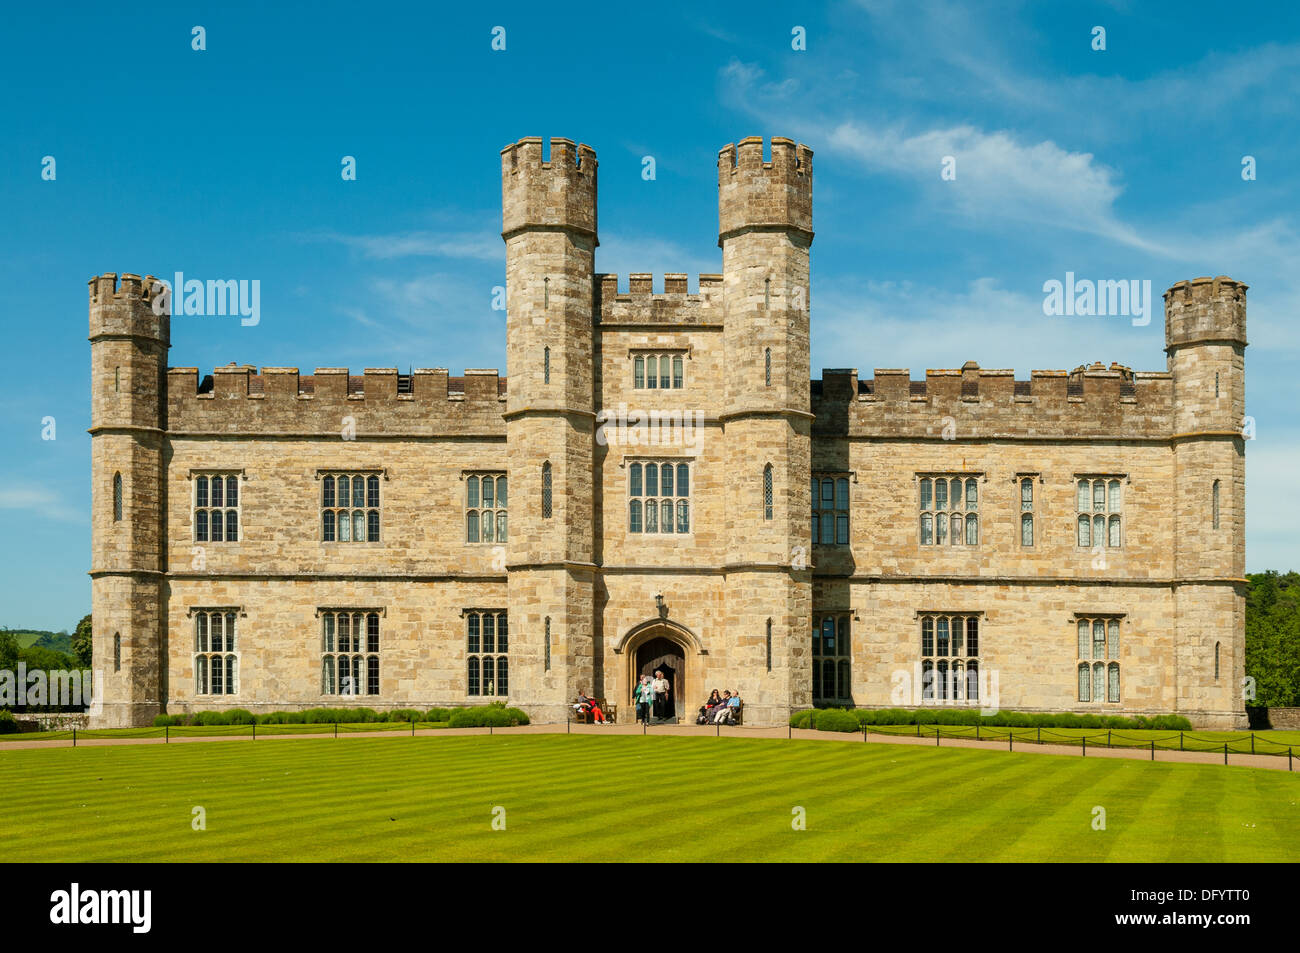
653 697
720 709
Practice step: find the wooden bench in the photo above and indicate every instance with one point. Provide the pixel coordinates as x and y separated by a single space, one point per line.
737 713
584 717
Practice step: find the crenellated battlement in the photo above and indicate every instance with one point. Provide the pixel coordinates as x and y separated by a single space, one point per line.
1090 401
640 304
758 195
559 193
123 307
237 398
105 287
1205 309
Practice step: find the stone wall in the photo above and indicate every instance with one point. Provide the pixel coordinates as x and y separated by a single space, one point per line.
739 589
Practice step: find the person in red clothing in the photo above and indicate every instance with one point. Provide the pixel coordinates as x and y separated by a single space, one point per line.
585 704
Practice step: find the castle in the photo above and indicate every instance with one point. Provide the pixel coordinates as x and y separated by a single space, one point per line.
659 484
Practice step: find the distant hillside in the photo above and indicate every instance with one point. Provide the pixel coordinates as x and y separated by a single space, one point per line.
40 638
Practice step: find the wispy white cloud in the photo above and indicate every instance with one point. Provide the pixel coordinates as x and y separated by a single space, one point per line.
868 324
996 175
999 176
480 246
42 501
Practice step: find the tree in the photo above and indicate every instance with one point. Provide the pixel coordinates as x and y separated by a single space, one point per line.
8 651
81 642
1273 638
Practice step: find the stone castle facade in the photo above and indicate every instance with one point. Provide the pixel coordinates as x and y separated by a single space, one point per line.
662 484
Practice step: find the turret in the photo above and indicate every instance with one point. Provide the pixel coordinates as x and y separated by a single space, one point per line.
549 227
765 232
129 339
1205 336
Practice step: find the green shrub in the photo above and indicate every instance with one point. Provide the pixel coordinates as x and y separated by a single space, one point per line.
405 714
8 724
240 716
168 721
495 715
1003 719
801 719
836 719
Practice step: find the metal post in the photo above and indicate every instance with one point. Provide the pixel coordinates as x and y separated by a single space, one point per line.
167 734
937 732
489 729
568 720
336 729
1288 757
864 732
1225 752
918 729
1180 741
977 731
254 731
1252 742
717 725
74 737
1153 749
1040 734
1011 741
412 728
1085 745
1107 737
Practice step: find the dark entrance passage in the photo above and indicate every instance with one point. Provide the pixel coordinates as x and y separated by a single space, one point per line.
664 655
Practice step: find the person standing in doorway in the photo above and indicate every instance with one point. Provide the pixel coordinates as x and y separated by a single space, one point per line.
644 697
660 688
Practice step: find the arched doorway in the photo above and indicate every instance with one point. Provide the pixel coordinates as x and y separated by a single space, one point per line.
662 654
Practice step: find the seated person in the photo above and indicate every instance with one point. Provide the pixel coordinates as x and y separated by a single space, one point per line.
707 709
717 714
726 714
585 704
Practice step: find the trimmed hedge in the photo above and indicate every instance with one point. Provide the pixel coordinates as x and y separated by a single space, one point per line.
1006 719
836 719
496 715
8 723
441 714
825 719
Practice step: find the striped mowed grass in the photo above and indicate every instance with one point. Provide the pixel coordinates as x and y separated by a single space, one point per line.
628 797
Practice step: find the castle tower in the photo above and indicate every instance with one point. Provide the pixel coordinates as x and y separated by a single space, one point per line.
765 232
1205 337
549 227
128 348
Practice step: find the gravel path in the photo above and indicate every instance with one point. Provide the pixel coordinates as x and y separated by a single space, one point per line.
1276 762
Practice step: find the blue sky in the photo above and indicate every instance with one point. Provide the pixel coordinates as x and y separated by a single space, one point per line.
1123 163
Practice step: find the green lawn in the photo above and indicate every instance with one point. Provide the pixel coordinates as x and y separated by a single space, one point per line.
207 731
628 797
1239 742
